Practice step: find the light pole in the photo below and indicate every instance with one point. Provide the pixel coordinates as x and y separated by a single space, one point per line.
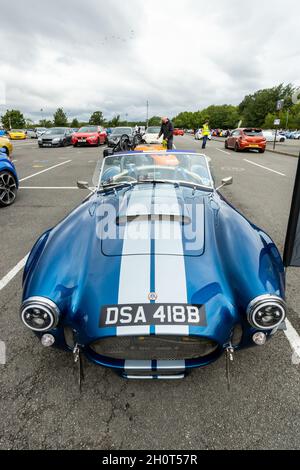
147 122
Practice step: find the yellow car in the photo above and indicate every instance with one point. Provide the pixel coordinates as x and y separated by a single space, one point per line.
6 145
17 134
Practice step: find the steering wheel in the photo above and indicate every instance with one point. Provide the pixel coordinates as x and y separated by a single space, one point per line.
123 177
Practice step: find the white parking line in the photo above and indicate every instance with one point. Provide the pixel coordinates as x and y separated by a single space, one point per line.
223 151
9 276
264 167
294 340
44 171
48 187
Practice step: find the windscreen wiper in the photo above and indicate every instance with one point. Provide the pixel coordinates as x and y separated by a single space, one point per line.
116 186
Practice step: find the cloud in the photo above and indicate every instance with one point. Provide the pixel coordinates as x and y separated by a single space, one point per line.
114 56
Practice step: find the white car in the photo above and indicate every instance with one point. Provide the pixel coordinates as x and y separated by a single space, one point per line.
270 136
151 135
199 136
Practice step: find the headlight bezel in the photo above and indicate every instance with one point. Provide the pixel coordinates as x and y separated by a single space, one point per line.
44 304
265 301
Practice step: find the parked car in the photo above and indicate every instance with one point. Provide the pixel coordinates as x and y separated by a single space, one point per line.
199 135
9 182
270 136
56 137
107 283
89 135
35 133
246 139
6 146
178 132
117 132
17 134
151 135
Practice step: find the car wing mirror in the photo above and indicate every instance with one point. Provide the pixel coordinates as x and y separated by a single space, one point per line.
83 185
226 182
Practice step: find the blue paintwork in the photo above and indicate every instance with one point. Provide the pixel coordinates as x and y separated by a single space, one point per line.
7 165
238 263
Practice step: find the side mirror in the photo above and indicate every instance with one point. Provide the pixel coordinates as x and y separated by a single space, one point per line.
108 152
226 182
83 185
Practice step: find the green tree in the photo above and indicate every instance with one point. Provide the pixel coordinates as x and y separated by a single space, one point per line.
155 121
75 123
255 108
45 123
97 119
13 119
60 118
115 122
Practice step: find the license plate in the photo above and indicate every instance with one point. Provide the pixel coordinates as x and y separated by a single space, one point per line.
81 140
152 314
253 145
47 145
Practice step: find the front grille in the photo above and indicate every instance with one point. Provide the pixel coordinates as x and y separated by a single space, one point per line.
154 347
47 141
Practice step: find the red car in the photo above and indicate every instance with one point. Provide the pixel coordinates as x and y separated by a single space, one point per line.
89 135
178 132
245 139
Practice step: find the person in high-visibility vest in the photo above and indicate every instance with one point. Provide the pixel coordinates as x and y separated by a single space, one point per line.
205 133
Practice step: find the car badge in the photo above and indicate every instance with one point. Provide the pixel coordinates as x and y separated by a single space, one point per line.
152 296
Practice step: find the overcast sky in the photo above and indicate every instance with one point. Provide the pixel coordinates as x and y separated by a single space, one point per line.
113 55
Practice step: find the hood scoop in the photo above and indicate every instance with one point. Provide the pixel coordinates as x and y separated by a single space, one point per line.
155 221
127 219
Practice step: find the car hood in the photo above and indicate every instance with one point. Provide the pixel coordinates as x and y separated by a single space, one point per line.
223 267
85 134
52 136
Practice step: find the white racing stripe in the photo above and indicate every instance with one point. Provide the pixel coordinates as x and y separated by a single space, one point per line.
44 171
136 291
169 259
9 276
264 167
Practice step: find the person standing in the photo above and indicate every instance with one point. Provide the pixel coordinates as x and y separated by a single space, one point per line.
167 130
205 133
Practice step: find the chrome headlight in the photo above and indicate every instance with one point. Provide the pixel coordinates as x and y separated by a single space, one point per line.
266 312
40 314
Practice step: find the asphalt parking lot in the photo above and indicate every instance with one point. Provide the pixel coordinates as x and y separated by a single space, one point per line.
41 406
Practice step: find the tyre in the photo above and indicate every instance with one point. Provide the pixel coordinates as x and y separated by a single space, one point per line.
75 145
236 148
261 150
226 144
8 188
281 140
98 143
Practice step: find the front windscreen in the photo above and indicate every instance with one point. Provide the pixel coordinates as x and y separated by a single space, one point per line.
153 130
88 129
55 131
188 168
122 130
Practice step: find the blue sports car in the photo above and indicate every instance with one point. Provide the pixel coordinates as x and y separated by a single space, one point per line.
155 273
8 180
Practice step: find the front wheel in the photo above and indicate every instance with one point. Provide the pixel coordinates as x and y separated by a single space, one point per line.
226 144
236 148
8 188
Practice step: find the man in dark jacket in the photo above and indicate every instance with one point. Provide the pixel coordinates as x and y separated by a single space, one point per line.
167 130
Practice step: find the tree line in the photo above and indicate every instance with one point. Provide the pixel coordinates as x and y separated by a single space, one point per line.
255 110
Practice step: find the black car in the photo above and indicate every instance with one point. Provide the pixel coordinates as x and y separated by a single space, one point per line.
116 133
56 137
